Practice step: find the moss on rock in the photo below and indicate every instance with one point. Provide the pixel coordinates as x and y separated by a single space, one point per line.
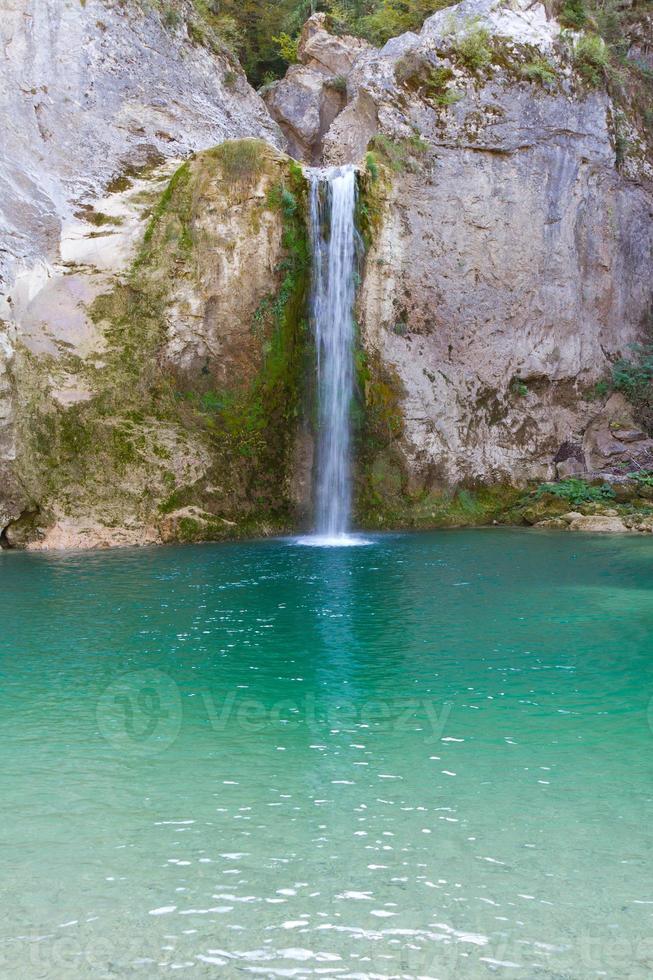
153 434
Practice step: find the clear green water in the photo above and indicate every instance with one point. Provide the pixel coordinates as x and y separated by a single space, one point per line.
429 757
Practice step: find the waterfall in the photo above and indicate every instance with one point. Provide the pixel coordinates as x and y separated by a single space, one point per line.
333 239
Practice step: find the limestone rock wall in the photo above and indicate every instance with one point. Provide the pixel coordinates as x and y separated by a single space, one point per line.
100 101
167 411
511 240
499 289
89 90
510 235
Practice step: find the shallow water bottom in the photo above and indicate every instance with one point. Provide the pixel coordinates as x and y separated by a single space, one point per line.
428 757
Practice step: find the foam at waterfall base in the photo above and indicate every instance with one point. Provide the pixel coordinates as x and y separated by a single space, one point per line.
331 541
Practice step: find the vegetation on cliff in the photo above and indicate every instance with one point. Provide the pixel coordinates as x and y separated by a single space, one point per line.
264 35
210 439
610 52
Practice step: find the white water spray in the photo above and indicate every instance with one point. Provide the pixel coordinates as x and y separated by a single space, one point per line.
333 238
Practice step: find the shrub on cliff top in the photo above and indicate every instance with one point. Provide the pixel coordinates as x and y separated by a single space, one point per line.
241 160
386 18
264 33
573 15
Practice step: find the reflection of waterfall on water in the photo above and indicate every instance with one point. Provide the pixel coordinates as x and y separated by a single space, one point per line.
333 240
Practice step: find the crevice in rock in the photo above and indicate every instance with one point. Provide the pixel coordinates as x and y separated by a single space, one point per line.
21 530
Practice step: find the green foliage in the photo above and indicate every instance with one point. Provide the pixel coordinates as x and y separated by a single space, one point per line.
371 166
539 70
178 182
600 390
576 492
621 141
282 198
634 376
240 160
473 48
399 155
287 47
171 18
98 218
118 184
229 32
573 15
388 18
519 388
591 59
642 477
629 79
442 96
370 199
266 32
338 83
429 81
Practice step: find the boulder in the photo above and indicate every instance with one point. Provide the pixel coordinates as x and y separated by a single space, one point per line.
569 467
612 441
598 524
304 105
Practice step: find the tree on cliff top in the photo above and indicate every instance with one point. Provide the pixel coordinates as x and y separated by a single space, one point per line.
266 26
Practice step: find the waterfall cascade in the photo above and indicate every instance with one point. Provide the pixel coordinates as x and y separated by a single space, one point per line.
333 238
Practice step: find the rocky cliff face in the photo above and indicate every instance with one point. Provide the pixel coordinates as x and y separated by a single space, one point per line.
169 413
95 97
510 244
155 366
95 89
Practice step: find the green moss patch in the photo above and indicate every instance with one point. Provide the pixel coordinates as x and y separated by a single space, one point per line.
152 440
